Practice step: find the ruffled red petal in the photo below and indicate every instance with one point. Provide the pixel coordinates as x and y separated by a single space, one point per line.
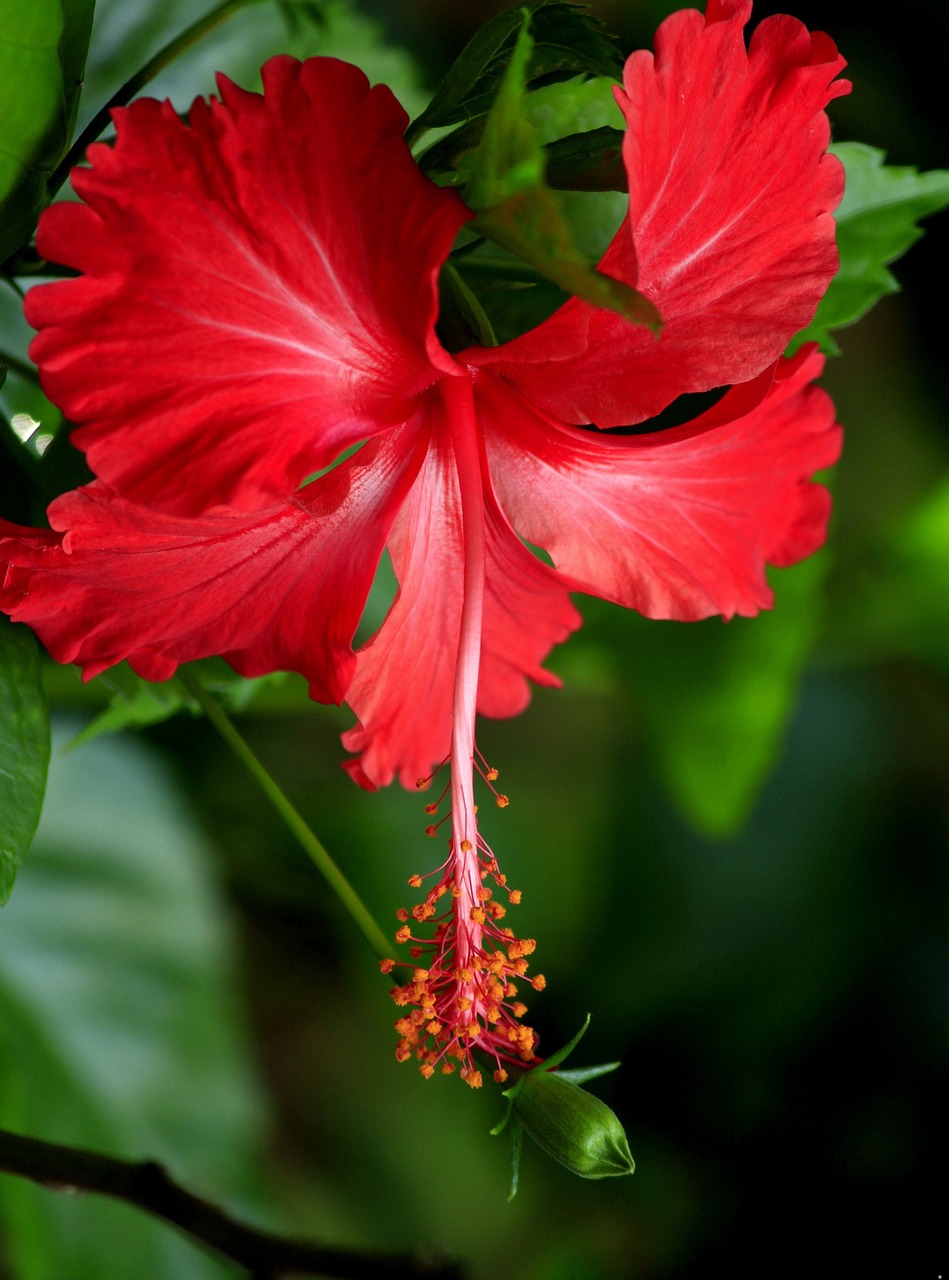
260 288
281 589
404 682
679 523
729 231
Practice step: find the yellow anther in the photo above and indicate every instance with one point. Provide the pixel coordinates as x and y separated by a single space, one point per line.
415 881
403 934
421 784
484 893
455 890
514 897
431 808
492 775
502 802
434 1028
463 1004
420 975
518 1009
403 1053
500 1076
466 846
427 1070
539 982
477 915
472 1078
386 966
448 1068
462 975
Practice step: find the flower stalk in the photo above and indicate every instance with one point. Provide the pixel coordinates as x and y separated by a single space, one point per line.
293 820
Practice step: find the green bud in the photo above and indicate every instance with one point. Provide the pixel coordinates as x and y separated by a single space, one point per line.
571 1125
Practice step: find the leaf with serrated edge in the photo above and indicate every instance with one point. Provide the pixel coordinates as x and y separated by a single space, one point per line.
518 211
569 41
876 224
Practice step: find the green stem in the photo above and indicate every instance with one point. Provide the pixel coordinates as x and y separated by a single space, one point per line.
100 121
296 824
470 307
21 367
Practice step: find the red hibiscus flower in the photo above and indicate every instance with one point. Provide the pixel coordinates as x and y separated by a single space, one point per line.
257 296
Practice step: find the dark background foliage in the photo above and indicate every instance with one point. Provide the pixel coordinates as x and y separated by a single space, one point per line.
779 996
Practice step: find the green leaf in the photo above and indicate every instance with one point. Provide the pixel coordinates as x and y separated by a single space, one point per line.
580 1075
517 210
898 607
24 748
714 697
43 48
136 702
117 1018
590 161
876 224
568 41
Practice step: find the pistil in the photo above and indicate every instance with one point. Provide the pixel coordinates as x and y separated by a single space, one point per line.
464 992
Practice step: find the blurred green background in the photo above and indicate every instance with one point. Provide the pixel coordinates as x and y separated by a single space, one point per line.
755 912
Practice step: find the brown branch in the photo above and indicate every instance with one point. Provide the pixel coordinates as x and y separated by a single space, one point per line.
146 1185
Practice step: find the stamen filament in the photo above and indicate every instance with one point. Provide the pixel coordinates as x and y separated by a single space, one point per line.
463 995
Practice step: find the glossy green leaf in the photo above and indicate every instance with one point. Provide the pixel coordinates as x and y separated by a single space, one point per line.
24 748
517 210
118 1019
43 47
568 41
591 161
714 697
876 224
134 702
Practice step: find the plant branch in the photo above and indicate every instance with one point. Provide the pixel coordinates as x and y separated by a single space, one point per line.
291 817
146 1185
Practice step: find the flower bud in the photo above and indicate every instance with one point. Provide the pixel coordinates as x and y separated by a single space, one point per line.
572 1126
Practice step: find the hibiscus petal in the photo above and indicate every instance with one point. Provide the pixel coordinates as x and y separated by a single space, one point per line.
679 523
729 231
404 683
281 589
260 288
